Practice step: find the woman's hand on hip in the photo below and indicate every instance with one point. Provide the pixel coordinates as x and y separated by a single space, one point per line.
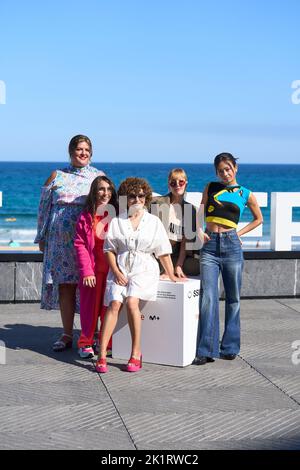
42 246
89 281
206 238
239 236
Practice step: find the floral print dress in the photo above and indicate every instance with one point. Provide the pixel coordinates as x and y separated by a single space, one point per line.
60 205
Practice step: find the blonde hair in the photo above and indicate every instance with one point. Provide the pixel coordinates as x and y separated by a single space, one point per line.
177 173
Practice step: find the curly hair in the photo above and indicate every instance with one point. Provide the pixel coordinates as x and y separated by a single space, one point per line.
134 185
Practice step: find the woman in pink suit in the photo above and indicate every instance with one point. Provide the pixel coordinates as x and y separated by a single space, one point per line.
100 208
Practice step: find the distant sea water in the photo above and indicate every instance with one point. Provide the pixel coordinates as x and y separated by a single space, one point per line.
20 183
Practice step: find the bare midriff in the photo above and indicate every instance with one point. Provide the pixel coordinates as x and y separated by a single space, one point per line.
217 228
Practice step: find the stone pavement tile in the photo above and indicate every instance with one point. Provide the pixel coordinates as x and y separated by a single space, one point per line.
269 338
255 307
218 374
293 304
222 385
43 354
25 324
38 338
271 321
269 367
34 373
269 350
196 429
67 440
30 309
49 418
31 313
243 444
289 383
58 393
18 314
21 308
223 399
220 405
284 325
285 378
26 356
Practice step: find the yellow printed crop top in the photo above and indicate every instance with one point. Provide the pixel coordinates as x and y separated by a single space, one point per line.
225 204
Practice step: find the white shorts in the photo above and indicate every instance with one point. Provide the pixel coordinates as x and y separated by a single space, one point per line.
142 286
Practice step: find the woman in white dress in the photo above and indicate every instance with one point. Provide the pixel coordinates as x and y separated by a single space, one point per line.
133 238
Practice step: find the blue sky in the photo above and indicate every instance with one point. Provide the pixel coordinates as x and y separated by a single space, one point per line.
150 81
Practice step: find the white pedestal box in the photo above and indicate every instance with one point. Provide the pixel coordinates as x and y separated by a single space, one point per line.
169 326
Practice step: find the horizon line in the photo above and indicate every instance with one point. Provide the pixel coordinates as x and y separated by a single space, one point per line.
146 163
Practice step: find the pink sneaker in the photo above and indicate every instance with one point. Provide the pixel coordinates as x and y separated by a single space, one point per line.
86 352
101 366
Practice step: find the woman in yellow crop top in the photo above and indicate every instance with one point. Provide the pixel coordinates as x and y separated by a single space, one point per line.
224 203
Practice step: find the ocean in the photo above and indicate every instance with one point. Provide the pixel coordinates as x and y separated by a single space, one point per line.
20 184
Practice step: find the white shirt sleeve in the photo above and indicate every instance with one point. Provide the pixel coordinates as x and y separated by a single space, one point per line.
162 243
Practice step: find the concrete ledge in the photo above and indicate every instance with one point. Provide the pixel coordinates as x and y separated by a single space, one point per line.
297 268
269 278
266 275
7 281
28 281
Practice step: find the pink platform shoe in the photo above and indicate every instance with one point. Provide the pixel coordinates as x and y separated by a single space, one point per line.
101 366
134 365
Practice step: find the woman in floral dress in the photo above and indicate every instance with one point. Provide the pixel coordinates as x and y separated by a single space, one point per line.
62 199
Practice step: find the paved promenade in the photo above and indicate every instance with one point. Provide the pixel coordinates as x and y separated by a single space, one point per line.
58 401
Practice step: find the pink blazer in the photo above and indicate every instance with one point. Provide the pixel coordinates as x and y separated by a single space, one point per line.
84 243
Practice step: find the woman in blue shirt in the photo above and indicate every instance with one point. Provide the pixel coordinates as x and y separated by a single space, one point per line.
224 203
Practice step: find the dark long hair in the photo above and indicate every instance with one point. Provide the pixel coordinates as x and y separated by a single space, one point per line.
91 200
224 157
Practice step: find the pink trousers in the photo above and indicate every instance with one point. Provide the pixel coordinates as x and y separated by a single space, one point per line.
91 307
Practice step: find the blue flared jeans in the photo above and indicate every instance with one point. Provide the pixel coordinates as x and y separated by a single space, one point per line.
221 254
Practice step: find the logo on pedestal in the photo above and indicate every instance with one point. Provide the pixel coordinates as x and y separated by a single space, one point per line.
194 293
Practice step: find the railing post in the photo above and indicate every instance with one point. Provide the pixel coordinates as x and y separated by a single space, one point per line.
282 226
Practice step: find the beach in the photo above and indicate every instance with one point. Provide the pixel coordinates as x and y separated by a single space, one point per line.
19 249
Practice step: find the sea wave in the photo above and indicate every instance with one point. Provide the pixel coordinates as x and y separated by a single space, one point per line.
17 213
17 235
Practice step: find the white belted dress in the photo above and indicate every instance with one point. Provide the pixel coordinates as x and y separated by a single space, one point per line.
135 250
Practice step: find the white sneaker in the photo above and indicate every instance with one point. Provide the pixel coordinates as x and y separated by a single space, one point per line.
86 352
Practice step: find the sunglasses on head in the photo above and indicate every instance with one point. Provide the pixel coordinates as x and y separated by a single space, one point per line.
174 183
134 196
